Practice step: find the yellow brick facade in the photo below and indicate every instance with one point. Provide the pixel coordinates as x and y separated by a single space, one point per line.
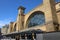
52 17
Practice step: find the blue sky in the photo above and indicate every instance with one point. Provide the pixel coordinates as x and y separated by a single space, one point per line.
8 9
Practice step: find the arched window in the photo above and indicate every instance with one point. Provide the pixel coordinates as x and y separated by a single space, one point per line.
36 18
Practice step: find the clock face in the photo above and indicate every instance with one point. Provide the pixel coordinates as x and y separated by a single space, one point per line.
36 19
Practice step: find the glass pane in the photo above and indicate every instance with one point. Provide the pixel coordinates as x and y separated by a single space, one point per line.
37 19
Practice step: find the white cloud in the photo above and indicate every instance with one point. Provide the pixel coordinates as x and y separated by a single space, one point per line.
5 21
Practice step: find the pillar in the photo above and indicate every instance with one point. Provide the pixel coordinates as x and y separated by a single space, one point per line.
26 37
50 14
17 38
20 37
11 27
33 36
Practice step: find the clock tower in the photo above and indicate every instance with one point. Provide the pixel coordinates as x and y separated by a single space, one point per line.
20 18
